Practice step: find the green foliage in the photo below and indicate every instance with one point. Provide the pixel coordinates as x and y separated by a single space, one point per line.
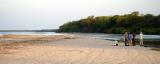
133 22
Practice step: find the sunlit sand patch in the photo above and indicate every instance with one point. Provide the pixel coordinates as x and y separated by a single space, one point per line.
11 41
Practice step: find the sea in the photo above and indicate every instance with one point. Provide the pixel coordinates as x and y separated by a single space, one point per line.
111 37
31 33
114 37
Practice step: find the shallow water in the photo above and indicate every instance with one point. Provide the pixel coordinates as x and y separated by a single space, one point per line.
119 36
93 35
31 33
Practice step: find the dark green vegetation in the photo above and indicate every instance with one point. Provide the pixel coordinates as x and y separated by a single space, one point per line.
133 22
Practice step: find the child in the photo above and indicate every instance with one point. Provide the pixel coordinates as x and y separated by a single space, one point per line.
116 43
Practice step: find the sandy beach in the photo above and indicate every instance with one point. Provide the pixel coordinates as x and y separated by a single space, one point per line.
62 49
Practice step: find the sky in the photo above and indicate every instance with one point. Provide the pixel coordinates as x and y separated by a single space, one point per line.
50 14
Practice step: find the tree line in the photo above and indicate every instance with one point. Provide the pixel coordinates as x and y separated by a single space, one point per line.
133 22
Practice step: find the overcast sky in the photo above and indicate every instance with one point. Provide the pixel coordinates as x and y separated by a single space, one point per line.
50 14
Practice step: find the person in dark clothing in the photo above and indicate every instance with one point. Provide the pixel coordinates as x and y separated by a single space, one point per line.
134 39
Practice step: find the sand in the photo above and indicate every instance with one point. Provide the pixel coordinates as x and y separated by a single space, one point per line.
79 50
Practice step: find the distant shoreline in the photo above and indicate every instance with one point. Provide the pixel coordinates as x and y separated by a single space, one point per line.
43 30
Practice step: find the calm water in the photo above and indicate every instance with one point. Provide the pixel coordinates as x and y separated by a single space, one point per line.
94 35
31 33
119 36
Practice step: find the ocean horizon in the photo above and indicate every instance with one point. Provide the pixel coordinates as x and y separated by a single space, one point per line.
30 33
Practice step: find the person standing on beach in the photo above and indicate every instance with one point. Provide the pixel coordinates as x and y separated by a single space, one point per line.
130 38
134 39
141 39
125 39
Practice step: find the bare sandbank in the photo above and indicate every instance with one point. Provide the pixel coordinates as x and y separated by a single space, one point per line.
62 49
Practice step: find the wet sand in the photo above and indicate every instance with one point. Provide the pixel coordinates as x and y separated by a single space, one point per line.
78 50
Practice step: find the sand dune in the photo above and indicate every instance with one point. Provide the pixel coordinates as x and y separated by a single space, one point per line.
80 51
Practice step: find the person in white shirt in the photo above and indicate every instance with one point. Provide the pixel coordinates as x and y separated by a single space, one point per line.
125 36
141 39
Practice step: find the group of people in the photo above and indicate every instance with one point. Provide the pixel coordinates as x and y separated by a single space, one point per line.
129 39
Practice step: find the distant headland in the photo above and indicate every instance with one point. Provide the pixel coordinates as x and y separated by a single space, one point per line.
117 24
